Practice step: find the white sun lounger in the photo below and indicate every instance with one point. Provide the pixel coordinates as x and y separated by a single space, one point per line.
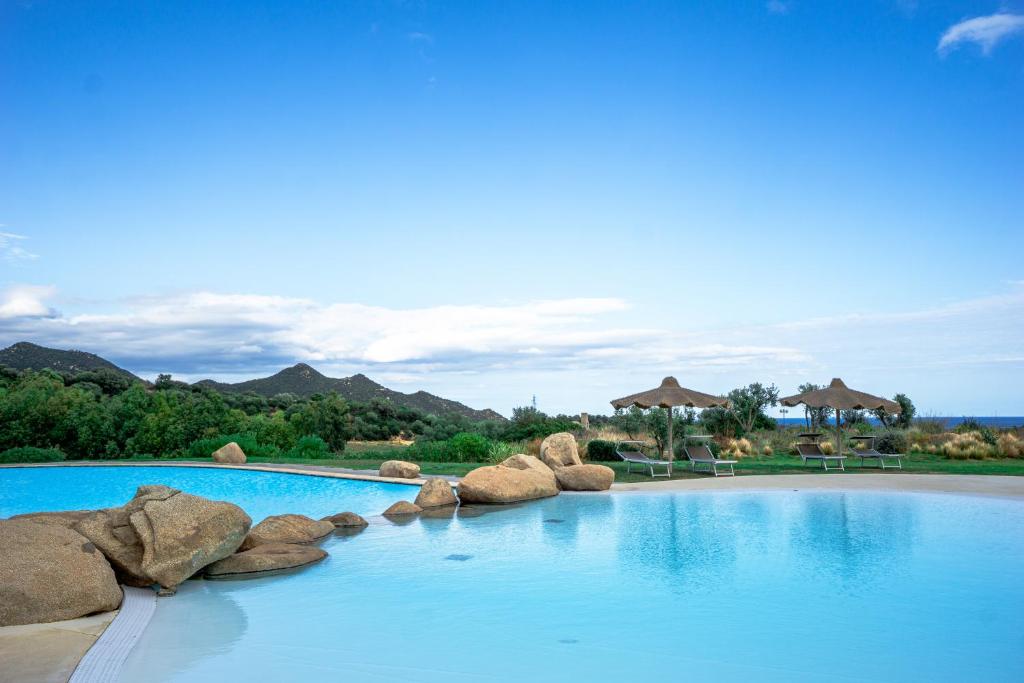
701 455
630 452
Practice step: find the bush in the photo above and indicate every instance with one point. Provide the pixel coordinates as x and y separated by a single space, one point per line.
468 447
892 442
600 450
31 454
1009 446
310 447
204 448
966 445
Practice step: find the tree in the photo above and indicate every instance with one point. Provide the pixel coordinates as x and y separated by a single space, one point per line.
749 403
901 420
816 417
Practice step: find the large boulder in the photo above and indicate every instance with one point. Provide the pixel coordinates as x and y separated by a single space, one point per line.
165 536
65 518
399 469
436 492
559 450
230 454
402 508
287 529
270 557
521 461
346 520
49 572
508 484
585 477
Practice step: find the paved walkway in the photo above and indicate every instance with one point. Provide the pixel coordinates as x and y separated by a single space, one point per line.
48 653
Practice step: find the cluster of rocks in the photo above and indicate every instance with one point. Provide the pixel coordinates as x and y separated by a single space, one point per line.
517 478
525 477
64 565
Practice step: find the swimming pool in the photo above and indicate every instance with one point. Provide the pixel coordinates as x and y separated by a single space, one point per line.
724 586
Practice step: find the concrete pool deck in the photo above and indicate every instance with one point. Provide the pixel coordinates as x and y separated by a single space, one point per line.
961 484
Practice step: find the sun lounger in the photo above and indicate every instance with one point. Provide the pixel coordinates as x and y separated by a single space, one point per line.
630 452
812 451
701 455
869 452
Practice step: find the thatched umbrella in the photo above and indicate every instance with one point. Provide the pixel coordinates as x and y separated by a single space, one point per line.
840 397
670 395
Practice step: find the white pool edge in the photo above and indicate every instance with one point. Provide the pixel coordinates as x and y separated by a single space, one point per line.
103 662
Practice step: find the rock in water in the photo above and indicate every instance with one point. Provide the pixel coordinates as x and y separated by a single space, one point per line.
403 508
346 520
585 477
231 454
270 557
436 492
399 469
499 484
165 536
287 529
50 573
559 450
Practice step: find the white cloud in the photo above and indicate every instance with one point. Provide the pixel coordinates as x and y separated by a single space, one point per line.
10 250
577 352
25 301
986 31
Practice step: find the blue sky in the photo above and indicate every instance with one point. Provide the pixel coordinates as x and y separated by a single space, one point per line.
496 200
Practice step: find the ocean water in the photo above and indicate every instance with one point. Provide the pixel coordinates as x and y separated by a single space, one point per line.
726 586
996 421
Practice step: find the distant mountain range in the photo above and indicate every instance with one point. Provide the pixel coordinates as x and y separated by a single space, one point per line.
300 379
28 356
303 380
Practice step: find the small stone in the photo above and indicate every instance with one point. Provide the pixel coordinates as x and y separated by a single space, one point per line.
399 469
403 508
287 529
436 492
346 519
270 557
230 454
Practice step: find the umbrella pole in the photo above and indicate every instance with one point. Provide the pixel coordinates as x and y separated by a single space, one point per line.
839 441
671 451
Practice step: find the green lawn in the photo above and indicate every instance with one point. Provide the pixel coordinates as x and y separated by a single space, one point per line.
370 459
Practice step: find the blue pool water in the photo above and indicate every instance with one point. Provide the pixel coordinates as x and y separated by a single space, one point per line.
777 586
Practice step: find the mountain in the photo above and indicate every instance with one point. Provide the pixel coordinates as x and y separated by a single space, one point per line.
303 380
28 356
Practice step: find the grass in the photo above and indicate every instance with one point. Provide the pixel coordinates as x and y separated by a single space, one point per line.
370 456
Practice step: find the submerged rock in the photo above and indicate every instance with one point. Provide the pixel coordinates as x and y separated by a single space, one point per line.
50 573
270 557
287 529
230 453
585 477
559 450
436 492
403 508
346 520
399 469
165 536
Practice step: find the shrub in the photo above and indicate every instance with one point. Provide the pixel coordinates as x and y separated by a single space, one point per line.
1009 446
600 450
468 447
892 442
827 447
966 445
309 447
737 448
766 450
31 454
499 450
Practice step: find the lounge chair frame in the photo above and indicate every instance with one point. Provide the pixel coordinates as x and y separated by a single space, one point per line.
812 451
701 456
637 457
870 453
